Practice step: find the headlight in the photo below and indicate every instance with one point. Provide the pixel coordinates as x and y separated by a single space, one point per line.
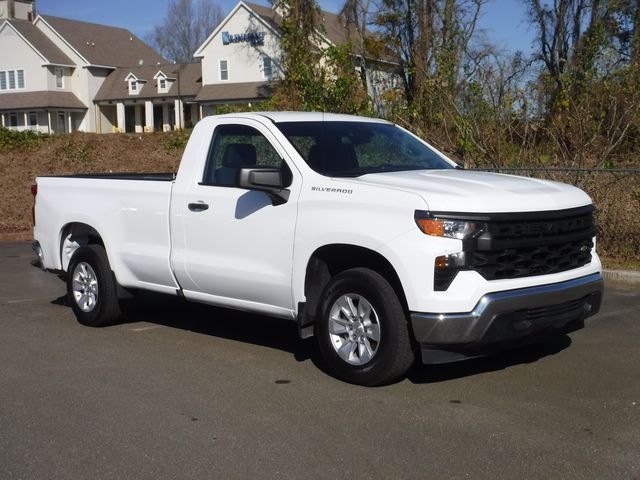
446 267
445 227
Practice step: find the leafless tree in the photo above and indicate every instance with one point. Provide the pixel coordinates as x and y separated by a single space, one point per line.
186 26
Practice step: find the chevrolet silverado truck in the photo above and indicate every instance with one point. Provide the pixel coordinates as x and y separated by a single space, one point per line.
362 233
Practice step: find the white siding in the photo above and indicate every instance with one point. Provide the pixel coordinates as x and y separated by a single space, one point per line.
68 79
16 54
22 10
244 59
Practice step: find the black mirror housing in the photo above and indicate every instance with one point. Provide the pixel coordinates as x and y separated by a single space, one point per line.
265 179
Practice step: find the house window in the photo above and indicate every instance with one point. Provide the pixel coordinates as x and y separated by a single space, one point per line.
133 87
11 79
62 123
59 77
33 119
12 119
162 85
266 67
224 70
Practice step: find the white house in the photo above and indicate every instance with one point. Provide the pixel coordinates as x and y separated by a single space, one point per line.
59 75
241 56
149 97
52 68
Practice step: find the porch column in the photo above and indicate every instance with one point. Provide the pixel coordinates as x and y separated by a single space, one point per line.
148 116
70 121
166 126
2 119
138 115
122 126
49 121
26 121
178 114
98 119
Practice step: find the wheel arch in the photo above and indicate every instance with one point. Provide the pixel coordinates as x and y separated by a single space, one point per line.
74 235
331 259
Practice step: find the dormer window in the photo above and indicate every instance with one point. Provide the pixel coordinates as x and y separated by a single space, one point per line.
164 82
135 84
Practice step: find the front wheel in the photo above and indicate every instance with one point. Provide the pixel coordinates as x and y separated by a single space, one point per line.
362 329
91 287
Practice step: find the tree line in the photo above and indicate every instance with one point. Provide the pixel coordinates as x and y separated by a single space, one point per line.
573 101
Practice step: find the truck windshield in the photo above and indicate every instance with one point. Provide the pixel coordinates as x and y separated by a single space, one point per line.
351 149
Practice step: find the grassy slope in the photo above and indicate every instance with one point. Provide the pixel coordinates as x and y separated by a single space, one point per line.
76 153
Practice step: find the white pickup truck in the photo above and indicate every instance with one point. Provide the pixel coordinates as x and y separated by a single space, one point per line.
366 236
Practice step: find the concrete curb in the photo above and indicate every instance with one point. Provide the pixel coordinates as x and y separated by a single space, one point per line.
630 277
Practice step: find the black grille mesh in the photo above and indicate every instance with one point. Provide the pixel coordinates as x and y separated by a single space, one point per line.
537 247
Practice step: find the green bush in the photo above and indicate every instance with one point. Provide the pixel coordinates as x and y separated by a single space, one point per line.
177 140
13 139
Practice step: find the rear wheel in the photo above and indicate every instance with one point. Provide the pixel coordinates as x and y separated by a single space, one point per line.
362 329
91 287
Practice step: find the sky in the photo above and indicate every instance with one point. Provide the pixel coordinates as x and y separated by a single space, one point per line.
503 21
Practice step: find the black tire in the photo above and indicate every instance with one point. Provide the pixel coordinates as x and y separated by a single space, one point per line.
393 351
103 307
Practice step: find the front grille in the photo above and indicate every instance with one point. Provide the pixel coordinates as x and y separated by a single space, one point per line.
534 246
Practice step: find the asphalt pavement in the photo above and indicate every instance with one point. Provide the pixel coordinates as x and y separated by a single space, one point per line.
182 391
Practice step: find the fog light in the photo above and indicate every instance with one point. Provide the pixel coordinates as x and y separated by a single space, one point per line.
587 307
454 260
446 269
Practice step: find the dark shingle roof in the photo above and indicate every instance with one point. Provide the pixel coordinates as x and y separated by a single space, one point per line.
234 92
335 26
104 45
39 100
40 42
116 88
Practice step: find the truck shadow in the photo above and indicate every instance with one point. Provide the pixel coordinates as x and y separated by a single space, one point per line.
550 345
230 324
283 335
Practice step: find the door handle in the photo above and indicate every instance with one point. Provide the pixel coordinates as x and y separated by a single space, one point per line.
198 207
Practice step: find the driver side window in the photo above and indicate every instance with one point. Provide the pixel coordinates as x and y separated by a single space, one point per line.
234 147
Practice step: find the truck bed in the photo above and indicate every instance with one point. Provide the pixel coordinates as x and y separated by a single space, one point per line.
156 177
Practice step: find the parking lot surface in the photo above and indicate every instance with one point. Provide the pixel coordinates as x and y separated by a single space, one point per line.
187 391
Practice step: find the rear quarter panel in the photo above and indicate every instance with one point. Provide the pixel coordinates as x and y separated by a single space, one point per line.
131 216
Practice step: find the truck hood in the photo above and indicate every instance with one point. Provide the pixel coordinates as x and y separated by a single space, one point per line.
480 192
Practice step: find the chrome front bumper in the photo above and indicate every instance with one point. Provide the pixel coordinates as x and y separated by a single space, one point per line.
503 318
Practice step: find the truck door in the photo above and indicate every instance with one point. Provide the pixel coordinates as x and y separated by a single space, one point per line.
233 247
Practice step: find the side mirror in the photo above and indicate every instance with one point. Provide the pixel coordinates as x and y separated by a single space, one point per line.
264 179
